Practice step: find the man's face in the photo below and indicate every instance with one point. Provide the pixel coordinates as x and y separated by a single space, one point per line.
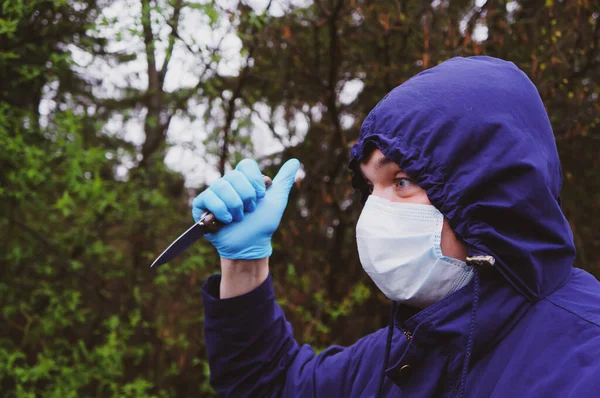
388 181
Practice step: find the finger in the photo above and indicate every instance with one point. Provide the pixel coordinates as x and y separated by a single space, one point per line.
284 179
243 187
250 169
223 189
209 201
197 212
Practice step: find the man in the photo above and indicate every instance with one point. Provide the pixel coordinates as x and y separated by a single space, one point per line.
461 227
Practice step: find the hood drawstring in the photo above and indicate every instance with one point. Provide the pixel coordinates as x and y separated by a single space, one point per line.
465 369
388 346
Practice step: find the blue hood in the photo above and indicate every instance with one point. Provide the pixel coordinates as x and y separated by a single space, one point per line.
473 132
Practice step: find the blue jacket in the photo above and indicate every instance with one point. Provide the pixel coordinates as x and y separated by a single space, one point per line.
474 134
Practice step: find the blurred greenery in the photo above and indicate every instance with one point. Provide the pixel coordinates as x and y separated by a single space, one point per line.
82 313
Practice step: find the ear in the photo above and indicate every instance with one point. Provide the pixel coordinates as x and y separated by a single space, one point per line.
450 244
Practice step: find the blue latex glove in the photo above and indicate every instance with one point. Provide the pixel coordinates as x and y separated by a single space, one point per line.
251 212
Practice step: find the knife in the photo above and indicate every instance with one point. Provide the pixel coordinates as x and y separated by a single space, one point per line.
206 224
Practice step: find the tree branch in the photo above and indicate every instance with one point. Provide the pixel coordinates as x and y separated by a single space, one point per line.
174 25
153 82
476 14
591 55
153 125
236 94
269 122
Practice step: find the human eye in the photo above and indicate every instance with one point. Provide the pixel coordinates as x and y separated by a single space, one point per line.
403 182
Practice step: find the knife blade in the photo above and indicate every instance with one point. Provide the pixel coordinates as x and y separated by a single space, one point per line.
206 224
186 239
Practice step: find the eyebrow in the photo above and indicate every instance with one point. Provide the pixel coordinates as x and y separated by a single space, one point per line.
382 161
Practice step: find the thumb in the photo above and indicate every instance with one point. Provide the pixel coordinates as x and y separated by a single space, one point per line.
284 179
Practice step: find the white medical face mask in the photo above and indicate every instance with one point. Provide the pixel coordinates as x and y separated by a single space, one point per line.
399 247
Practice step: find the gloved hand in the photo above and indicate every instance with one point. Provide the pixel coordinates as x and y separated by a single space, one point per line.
250 211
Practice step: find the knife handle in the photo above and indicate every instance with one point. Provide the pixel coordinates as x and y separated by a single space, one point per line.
211 224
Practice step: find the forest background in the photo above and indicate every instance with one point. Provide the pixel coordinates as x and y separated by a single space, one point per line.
115 114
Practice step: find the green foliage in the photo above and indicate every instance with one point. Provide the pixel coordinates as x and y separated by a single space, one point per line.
84 315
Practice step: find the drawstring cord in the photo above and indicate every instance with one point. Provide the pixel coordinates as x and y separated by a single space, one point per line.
465 369
388 346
